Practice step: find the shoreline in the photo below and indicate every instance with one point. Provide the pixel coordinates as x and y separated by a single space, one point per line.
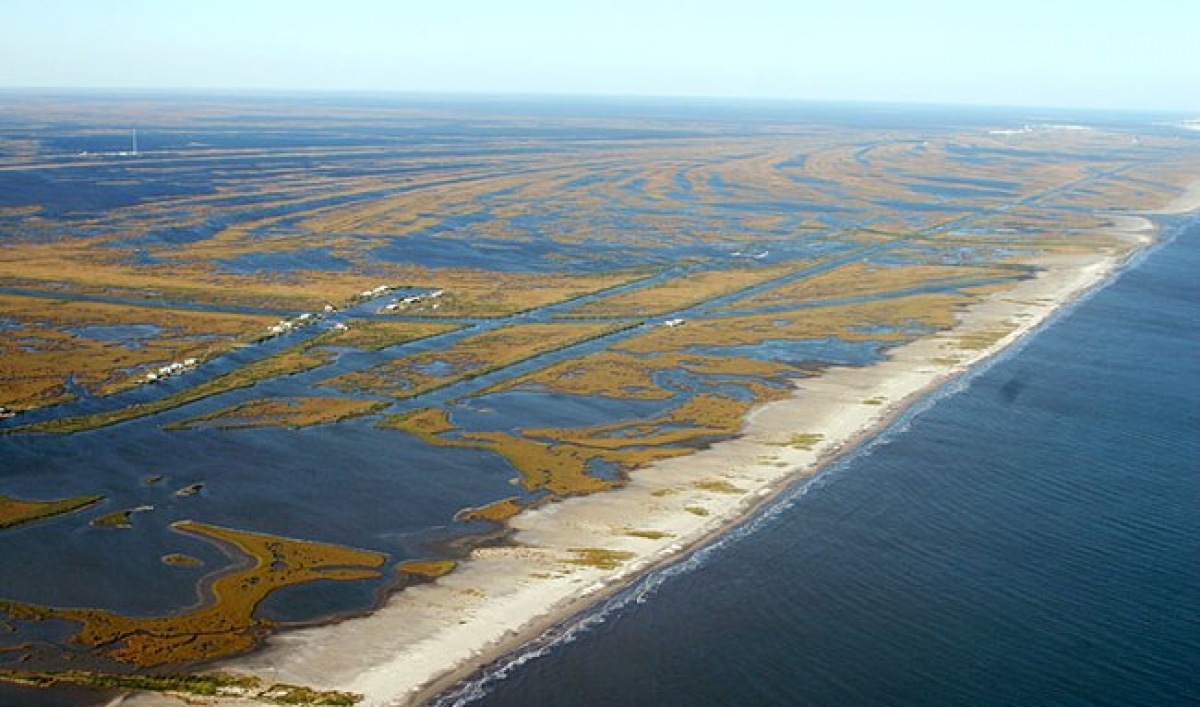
432 638
750 506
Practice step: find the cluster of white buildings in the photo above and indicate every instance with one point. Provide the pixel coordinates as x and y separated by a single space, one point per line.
283 326
172 369
372 294
413 300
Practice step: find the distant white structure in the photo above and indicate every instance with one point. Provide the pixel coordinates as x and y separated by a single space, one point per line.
124 153
1041 128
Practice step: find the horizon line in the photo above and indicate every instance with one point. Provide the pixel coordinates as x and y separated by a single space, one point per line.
568 95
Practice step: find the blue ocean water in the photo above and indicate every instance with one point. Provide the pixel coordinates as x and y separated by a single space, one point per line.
1031 538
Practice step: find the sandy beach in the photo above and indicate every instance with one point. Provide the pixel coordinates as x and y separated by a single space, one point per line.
564 557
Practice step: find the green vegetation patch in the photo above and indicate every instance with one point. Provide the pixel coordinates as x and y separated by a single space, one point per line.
431 569
717 486
284 412
678 293
805 440
14 512
211 685
648 534
223 625
979 341
116 519
425 424
497 512
474 356
204 685
599 558
290 362
48 344
179 560
374 336
863 279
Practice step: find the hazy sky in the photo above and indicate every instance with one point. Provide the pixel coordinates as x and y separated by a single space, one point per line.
1102 53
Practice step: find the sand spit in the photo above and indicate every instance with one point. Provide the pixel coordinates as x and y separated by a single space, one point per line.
569 555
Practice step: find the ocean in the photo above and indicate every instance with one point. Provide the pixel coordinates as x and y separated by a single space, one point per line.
1030 536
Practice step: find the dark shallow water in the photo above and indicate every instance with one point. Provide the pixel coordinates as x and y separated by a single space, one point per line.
1032 538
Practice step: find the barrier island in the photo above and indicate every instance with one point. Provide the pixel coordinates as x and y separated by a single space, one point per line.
338 402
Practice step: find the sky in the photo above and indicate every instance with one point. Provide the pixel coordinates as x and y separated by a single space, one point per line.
1139 54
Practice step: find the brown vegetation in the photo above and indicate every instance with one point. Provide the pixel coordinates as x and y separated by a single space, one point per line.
225 623
14 512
